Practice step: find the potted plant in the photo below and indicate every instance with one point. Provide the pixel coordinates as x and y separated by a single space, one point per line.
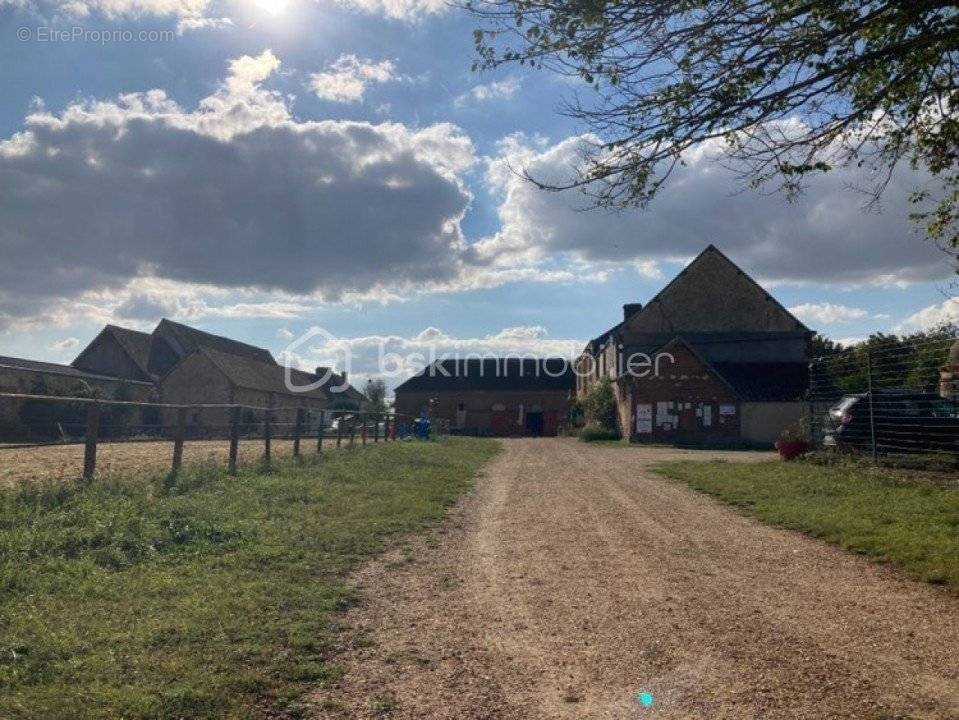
793 441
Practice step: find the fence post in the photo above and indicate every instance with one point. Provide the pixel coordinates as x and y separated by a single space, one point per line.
376 429
90 451
363 431
352 434
268 436
178 436
297 432
339 431
393 428
872 404
319 435
386 428
234 437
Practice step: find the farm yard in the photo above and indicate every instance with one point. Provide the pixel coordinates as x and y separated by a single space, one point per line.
576 582
569 580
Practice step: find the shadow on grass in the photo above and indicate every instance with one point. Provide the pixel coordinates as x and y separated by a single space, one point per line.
208 596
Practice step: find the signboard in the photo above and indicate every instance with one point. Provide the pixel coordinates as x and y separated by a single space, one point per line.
727 409
644 419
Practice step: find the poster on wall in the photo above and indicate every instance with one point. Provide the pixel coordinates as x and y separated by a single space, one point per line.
644 419
727 409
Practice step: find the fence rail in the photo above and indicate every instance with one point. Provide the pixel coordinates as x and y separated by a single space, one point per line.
887 397
92 422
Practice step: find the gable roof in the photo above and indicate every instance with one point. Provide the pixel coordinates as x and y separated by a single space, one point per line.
713 294
57 369
135 344
710 368
250 374
338 381
493 374
185 340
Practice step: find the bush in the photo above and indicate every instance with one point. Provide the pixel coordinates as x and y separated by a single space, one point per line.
599 406
595 433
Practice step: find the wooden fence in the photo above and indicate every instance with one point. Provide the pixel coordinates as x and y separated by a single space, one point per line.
340 426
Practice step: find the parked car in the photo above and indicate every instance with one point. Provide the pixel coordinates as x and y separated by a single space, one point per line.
904 421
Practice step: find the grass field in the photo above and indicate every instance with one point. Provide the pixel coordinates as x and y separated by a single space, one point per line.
214 597
914 525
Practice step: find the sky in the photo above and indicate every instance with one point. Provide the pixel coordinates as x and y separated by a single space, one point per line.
267 170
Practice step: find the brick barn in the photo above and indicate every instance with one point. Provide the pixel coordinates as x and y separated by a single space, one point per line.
492 396
712 359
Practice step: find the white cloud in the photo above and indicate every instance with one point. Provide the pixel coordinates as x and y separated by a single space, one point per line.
850 341
233 194
931 317
406 10
496 90
827 313
396 358
205 14
190 11
823 237
347 78
649 269
65 345
285 334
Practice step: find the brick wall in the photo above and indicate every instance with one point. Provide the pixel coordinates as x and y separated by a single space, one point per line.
684 402
486 412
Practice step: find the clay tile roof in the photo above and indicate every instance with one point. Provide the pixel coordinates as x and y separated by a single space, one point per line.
136 344
187 340
252 374
55 369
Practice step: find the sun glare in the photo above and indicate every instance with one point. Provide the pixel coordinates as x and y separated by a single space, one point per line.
273 7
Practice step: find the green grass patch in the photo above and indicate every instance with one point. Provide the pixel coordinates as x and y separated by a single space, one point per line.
214 597
873 513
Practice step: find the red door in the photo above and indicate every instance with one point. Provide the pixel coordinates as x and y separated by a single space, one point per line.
550 424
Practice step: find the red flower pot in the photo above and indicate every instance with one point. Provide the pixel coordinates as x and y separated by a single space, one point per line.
791 449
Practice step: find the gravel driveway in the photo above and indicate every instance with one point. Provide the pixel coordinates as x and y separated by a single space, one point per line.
574 580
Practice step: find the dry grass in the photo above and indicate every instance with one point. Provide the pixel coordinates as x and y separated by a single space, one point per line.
65 462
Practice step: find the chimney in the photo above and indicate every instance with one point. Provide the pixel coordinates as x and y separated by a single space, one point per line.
630 309
344 375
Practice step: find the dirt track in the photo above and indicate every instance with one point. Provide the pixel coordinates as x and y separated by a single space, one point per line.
574 579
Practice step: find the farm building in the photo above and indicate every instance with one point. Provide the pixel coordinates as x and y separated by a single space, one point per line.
712 359
175 364
492 396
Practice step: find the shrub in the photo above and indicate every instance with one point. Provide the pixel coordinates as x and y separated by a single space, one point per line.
600 406
595 433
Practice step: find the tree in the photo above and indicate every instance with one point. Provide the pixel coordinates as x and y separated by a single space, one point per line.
375 395
908 361
793 87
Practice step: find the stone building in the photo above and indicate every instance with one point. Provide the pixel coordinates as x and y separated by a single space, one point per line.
712 359
31 377
176 364
492 396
